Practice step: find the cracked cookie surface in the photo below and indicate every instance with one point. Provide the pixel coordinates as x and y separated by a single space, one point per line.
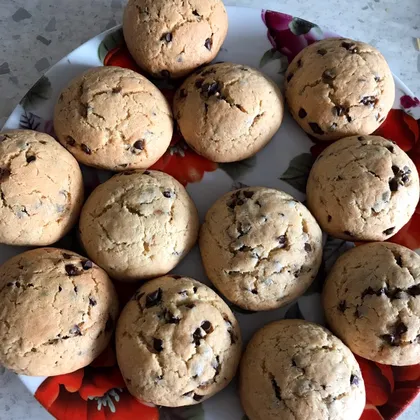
260 247
41 189
113 118
58 312
138 224
294 369
363 188
178 343
372 301
339 87
171 39
228 112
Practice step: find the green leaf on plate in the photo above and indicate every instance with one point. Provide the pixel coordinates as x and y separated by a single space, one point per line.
192 412
297 173
112 40
333 248
301 26
318 283
273 54
294 312
236 169
39 92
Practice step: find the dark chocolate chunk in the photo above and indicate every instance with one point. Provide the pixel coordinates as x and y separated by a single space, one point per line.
354 380
87 264
393 184
248 194
367 292
207 327
75 289
71 270
197 397
299 63
9 284
369 100
377 79
86 149
60 288
92 301
350 46
388 231
75 330
329 218
190 305
308 247
171 318
30 159
66 256
183 93
208 43
316 128
390 148
342 306
289 77
282 239
349 119
70 141
154 298
158 345
195 289
254 291
17 284
197 336
117 89
302 113
414 290
166 37
338 110
389 338
167 194
139 145
146 173
322 51
361 138
198 83
400 329
329 75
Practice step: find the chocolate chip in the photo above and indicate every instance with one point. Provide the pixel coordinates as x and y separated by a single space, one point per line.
166 37
75 330
308 247
70 141
393 185
198 83
367 292
349 119
354 380
195 13
388 231
75 289
322 51
400 329
282 239
316 128
210 89
197 397
276 388
348 233
86 149
414 290
139 145
302 113
30 159
165 74
167 194
157 345
350 46
171 318
329 218
66 256
188 394
377 79
390 148
338 110
361 138
109 326
71 270
369 100
207 327
289 77
92 301
329 75
9 284
197 336
389 338
195 289
87 264
342 306
183 93
299 63
254 291
60 288
208 43
154 298
183 293
248 194
190 305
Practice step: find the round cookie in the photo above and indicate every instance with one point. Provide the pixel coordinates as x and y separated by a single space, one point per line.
363 188
228 112
41 189
58 311
339 87
372 302
138 224
293 369
178 343
260 247
171 39
113 118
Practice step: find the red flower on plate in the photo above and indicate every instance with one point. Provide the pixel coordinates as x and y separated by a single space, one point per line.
408 102
97 392
371 413
120 57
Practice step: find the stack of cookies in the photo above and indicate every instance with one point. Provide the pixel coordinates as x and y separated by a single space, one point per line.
177 341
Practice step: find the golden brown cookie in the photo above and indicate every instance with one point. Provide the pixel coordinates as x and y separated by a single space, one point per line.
339 87
41 189
58 312
172 38
113 118
178 343
372 302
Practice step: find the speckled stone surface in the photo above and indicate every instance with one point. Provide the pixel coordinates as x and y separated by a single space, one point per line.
35 34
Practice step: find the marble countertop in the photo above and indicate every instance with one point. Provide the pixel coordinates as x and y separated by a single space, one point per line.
35 34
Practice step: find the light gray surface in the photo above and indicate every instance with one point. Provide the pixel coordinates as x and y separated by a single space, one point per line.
35 34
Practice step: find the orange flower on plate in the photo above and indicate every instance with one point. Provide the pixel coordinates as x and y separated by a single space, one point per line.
97 392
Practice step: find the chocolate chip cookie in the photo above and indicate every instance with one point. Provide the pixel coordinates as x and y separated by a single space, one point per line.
41 189
293 369
363 188
138 224
178 343
372 302
113 118
228 112
260 247
339 87
58 311
171 39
